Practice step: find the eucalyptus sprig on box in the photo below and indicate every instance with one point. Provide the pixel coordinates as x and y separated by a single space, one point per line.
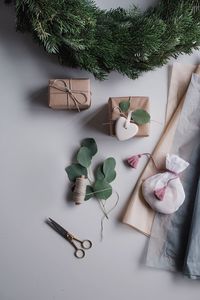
138 116
105 173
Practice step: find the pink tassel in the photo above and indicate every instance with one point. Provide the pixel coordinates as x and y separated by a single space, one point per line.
160 193
134 160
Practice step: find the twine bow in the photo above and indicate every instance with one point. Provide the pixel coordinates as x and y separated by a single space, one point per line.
68 90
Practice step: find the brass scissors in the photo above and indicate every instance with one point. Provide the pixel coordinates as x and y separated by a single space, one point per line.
84 245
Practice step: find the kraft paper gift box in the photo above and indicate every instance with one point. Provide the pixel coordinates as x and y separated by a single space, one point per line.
69 94
135 103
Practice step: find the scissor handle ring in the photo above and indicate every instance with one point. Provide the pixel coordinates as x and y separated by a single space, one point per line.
86 244
79 253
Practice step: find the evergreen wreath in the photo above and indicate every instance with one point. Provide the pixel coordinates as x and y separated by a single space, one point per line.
82 35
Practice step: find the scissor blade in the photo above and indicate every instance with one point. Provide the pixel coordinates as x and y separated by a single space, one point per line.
57 227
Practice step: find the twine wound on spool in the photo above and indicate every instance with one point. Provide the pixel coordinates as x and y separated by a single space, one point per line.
80 190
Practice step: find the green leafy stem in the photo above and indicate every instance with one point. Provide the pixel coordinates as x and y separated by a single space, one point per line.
138 116
104 174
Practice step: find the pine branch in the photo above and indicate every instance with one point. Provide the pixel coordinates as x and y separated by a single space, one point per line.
128 41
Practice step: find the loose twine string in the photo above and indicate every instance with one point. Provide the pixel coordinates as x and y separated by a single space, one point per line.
79 195
150 156
107 213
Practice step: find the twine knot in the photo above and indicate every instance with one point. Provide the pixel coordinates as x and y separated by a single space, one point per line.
69 91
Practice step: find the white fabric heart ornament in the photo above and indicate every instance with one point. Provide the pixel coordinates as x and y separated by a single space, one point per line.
164 191
124 129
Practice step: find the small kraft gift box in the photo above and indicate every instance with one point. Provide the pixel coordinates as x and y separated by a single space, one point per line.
135 103
69 94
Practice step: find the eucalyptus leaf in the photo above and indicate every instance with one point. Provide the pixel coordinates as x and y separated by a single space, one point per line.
90 144
84 157
89 192
102 189
140 116
110 176
124 105
99 173
75 170
109 165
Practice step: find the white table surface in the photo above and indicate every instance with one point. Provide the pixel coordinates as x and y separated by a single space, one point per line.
36 145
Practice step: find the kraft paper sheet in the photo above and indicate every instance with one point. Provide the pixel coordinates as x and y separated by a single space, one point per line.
138 214
175 239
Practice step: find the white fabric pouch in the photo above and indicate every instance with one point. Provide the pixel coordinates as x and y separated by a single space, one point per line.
164 191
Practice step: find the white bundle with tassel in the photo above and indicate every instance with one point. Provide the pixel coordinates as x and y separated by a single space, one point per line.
164 191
